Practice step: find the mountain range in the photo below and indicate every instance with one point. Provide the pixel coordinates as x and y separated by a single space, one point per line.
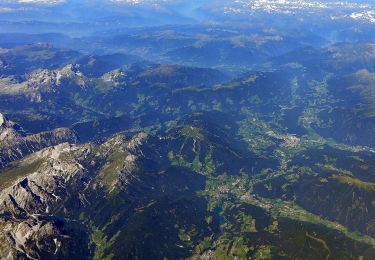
187 130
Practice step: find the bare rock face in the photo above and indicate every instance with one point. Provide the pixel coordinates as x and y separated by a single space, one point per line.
25 206
2 119
8 130
115 76
43 82
36 192
35 210
18 234
15 144
50 81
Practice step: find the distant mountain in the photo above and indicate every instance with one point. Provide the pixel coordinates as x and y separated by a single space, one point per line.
16 144
24 59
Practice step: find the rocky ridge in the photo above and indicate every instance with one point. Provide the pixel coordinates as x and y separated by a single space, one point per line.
34 210
15 143
42 81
